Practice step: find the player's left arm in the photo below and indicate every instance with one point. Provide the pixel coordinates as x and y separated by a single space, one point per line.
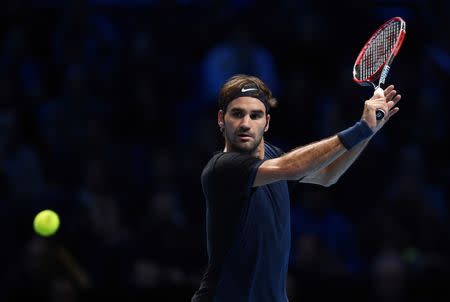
330 174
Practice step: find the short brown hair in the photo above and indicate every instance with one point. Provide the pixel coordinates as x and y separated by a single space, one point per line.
234 85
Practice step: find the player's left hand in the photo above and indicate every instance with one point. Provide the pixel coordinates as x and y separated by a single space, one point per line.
386 100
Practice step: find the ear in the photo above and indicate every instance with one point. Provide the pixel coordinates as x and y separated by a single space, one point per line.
220 121
267 123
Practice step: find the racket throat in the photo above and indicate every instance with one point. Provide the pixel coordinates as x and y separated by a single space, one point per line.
383 76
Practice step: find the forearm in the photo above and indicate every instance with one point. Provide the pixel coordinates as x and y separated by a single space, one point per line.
330 174
305 160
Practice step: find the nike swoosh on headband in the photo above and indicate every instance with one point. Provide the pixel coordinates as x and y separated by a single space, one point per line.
248 89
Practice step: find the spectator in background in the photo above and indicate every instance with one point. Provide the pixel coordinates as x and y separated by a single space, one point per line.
329 107
20 82
145 277
166 239
141 55
36 269
161 221
324 241
388 277
411 183
139 116
420 208
21 163
405 238
19 60
103 228
64 123
63 290
86 36
239 52
82 35
19 159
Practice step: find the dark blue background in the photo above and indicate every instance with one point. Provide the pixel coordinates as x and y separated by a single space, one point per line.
108 114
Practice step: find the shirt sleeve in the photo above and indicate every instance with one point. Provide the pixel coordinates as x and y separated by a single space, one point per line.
235 172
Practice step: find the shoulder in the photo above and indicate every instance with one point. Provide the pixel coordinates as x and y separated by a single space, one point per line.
272 151
230 163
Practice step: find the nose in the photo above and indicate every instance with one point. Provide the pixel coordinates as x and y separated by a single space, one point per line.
245 123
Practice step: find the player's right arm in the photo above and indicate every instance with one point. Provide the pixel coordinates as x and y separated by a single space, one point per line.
314 160
300 162
330 174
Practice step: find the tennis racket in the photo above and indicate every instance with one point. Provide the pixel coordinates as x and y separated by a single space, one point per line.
375 58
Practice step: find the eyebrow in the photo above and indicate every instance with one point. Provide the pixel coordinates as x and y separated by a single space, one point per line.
252 111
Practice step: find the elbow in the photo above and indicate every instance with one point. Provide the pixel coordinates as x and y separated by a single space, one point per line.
331 181
294 174
328 181
328 177
320 180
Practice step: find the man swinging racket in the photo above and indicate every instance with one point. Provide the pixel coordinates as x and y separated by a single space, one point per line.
246 190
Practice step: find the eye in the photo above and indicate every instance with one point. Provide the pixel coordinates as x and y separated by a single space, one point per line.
237 114
256 115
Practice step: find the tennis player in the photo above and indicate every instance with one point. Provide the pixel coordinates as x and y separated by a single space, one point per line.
246 190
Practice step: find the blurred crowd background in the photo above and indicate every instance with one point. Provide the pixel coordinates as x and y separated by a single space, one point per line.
108 115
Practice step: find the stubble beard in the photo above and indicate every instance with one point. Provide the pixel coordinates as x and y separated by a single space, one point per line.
244 147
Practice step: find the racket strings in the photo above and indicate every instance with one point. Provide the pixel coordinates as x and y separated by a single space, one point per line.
379 49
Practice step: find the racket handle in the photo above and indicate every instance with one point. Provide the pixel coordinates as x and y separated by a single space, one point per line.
379 114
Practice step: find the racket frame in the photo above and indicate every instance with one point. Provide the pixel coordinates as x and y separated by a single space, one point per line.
382 71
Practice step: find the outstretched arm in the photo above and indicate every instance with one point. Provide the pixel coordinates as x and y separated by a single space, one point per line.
323 162
330 174
300 162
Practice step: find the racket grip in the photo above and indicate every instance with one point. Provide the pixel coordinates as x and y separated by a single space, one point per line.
379 114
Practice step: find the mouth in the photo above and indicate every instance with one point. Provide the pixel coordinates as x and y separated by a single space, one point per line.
244 137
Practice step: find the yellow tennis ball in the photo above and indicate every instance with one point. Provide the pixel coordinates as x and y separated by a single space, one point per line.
46 223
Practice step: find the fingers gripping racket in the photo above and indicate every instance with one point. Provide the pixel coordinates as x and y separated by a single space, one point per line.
375 58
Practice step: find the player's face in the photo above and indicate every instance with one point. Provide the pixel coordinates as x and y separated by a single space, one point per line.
244 124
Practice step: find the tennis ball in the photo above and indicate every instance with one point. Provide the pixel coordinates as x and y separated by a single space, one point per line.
46 223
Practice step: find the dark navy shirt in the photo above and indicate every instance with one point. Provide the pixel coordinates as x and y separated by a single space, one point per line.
248 231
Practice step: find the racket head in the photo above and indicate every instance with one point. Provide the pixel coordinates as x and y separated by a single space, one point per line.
379 51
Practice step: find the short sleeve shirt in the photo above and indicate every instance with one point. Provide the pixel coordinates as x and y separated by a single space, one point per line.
248 231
